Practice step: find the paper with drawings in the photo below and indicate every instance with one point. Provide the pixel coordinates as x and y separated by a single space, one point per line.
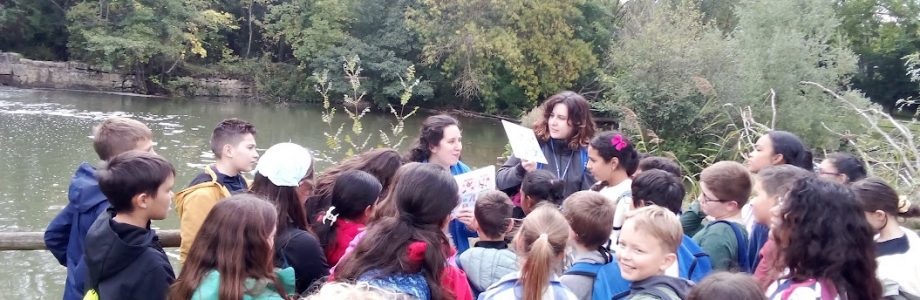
470 184
524 143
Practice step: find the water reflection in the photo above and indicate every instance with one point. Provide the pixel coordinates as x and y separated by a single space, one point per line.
44 135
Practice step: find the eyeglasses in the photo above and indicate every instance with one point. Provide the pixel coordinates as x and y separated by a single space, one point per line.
704 198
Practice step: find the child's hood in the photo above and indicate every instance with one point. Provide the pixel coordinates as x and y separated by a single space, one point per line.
84 193
679 285
107 253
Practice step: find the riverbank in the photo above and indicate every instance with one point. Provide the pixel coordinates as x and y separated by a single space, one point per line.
17 71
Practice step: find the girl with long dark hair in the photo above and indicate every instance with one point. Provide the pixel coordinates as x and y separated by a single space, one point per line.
232 257
825 243
408 252
283 169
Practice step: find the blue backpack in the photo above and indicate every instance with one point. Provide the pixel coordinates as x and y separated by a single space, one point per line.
744 260
608 283
692 261
693 265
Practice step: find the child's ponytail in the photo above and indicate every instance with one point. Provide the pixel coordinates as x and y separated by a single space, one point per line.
536 270
542 185
541 241
875 194
610 144
906 209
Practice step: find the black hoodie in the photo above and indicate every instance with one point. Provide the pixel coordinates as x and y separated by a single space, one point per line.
125 261
660 287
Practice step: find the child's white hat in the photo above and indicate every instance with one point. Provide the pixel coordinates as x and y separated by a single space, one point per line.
285 164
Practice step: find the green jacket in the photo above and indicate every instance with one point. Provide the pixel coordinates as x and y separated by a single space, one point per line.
210 285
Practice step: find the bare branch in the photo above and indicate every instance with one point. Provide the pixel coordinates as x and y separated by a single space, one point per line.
873 124
773 106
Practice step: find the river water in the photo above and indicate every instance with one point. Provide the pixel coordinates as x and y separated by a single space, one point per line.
45 134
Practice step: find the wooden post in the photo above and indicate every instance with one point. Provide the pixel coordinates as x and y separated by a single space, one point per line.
36 240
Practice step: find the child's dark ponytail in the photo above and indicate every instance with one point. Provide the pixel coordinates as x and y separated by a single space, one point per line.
874 194
352 192
610 144
542 185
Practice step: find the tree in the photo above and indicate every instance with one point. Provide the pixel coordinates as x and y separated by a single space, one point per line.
882 32
506 53
144 36
322 33
36 29
662 67
783 43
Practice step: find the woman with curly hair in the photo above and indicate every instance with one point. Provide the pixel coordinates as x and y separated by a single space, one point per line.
825 243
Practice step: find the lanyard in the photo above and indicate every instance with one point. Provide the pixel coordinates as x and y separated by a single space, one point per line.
556 160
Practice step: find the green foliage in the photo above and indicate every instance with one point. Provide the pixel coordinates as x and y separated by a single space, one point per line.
662 66
143 35
675 71
882 32
782 43
355 140
486 46
182 86
36 29
321 33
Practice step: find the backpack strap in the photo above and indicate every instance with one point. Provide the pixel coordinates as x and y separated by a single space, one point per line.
584 269
210 172
663 293
743 262
696 258
828 289
788 291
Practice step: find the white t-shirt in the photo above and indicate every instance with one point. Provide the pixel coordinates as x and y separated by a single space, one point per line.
903 268
621 197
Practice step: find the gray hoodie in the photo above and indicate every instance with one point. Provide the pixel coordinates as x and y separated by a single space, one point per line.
660 287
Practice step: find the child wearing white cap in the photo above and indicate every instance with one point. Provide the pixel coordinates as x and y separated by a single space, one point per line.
282 171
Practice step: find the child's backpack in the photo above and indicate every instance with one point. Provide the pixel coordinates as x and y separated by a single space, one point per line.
608 282
744 262
693 263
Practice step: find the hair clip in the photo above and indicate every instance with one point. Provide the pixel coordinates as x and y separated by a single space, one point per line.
618 142
543 235
330 216
416 251
903 205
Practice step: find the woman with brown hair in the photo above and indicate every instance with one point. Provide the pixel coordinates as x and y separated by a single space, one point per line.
440 142
232 257
564 132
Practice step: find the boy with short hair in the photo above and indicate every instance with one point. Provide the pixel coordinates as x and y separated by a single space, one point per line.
123 258
490 258
658 163
234 145
661 188
590 216
648 245
65 235
724 189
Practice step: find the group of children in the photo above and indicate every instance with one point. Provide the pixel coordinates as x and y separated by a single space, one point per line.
599 221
